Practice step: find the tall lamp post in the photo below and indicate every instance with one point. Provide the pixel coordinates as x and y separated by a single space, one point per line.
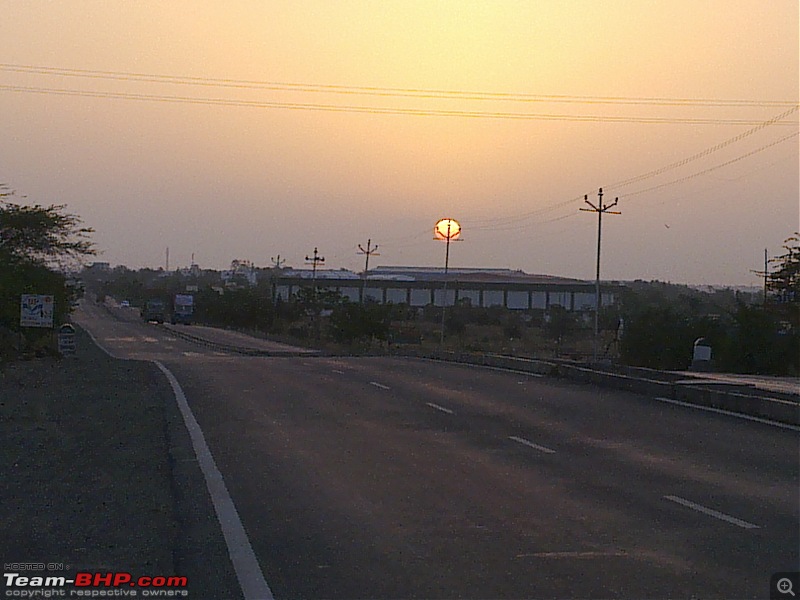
446 230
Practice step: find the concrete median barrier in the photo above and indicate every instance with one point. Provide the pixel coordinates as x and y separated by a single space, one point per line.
738 398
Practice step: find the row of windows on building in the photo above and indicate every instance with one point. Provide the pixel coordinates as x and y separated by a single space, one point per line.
514 299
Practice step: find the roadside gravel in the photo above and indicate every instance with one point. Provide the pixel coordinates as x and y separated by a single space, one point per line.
85 464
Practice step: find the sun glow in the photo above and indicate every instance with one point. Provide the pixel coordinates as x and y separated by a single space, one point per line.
447 229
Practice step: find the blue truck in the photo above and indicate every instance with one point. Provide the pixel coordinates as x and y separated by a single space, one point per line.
183 309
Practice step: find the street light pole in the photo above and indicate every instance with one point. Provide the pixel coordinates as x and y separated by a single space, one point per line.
446 229
444 290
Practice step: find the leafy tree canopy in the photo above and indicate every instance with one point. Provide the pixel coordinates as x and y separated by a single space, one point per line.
784 281
39 234
34 241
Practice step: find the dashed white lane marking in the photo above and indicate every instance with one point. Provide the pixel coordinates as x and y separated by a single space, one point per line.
245 563
531 444
729 413
338 371
441 408
379 385
711 512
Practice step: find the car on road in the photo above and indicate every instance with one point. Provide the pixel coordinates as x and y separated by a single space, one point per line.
124 304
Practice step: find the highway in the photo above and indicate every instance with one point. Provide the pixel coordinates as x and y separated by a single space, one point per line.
405 478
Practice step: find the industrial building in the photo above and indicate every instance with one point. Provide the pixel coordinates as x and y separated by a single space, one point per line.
423 286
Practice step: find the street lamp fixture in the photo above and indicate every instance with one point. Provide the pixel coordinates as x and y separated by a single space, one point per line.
446 230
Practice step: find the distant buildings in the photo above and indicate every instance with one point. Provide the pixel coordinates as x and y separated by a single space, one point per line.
423 286
99 267
414 286
242 272
193 270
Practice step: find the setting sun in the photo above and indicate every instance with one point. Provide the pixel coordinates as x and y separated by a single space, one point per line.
447 229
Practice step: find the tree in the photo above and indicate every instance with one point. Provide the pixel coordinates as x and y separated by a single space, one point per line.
784 281
41 235
757 344
35 244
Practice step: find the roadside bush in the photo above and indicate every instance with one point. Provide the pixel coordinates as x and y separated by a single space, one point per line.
350 321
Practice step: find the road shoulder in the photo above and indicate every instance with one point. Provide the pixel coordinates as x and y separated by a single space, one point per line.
87 480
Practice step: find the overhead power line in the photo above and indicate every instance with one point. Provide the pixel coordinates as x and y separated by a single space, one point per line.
521 221
707 151
715 167
507 223
384 91
375 110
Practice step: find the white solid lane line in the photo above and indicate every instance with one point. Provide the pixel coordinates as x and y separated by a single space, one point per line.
711 512
729 413
531 444
441 408
245 563
379 385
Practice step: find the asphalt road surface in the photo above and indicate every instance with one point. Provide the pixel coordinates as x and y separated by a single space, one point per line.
404 478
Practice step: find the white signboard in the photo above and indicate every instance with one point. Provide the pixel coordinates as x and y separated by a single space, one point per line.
184 300
66 339
36 310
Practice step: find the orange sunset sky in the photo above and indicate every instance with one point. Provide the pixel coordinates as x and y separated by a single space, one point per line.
245 129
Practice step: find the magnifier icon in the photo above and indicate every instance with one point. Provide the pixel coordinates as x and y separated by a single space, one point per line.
784 586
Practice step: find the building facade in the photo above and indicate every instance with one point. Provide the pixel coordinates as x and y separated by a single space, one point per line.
421 286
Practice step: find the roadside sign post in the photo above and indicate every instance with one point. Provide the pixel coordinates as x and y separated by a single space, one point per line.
36 310
66 340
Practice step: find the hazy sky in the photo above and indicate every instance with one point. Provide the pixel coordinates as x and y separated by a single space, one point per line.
251 129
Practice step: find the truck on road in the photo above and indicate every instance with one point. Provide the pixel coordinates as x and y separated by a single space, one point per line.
154 310
183 309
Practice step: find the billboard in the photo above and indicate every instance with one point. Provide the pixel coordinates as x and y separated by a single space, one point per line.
36 310
184 300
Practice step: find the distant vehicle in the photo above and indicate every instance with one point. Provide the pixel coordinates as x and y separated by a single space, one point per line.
124 304
183 309
154 310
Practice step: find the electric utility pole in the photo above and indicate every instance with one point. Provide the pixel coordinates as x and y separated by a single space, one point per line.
277 264
599 209
367 252
314 260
